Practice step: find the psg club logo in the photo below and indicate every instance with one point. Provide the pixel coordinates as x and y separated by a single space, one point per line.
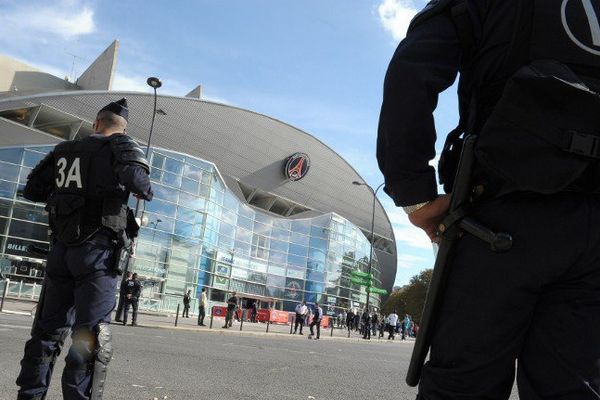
297 166
586 35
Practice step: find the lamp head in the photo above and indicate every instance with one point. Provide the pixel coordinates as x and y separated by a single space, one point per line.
154 82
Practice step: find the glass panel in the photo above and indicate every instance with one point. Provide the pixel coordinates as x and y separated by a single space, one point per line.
296 273
298 250
299 239
9 172
173 166
297 260
155 175
245 223
30 212
164 193
161 207
277 258
318 232
192 172
280 234
157 160
31 158
28 230
277 245
301 226
275 270
11 155
171 179
189 185
7 189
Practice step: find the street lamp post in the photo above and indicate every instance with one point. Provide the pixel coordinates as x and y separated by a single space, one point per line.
372 230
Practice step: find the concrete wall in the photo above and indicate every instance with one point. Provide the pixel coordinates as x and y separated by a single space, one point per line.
99 75
20 77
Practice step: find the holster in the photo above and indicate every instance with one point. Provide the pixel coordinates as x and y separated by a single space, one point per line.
123 250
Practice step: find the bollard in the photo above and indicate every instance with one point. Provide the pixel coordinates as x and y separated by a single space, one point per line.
268 323
332 330
211 317
4 293
242 320
177 314
292 324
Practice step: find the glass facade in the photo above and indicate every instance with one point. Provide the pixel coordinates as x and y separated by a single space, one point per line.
196 233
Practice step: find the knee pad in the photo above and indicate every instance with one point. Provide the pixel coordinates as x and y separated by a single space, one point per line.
102 358
104 343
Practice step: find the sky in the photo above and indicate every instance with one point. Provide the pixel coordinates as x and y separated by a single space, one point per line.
317 65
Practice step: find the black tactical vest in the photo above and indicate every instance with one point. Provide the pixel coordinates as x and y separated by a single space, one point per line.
538 125
87 193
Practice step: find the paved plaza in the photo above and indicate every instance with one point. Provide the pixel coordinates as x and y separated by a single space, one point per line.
188 363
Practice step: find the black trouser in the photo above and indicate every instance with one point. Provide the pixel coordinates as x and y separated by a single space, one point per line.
538 303
299 321
201 315
229 317
133 302
318 324
391 331
186 311
367 330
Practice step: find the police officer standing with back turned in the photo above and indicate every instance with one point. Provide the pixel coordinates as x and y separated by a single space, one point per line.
86 185
529 78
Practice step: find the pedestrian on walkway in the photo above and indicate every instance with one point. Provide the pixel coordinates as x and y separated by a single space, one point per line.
254 311
186 304
366 320
132 295
318 315
349 320
392 320
119 312
231 307
202 308
301 311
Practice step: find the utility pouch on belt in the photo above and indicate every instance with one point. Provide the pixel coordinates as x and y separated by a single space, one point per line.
65 214
544 132
450 157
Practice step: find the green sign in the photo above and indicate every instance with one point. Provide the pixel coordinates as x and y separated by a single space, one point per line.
360 281
376 290
361 274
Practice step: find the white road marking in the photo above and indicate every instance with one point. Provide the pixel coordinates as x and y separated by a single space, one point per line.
15 326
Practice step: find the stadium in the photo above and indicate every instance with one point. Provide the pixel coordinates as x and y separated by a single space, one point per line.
243 202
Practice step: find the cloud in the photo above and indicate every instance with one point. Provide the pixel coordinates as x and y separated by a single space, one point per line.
410 261
395 16
66 19
404 231
129 83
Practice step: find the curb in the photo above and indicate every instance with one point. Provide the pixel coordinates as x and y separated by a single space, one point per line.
271 334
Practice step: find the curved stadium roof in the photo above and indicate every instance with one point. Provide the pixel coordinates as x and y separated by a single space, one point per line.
246 147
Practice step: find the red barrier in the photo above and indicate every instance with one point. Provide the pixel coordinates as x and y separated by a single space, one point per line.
279 317
219 311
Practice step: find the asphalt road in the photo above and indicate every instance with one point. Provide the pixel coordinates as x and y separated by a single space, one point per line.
154 363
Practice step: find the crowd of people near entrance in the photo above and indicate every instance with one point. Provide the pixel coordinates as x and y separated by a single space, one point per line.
373 323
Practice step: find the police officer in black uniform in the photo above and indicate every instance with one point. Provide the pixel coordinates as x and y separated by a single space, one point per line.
86 185
529 74
133 290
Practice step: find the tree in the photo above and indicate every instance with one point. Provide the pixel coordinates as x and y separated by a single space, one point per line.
410 299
